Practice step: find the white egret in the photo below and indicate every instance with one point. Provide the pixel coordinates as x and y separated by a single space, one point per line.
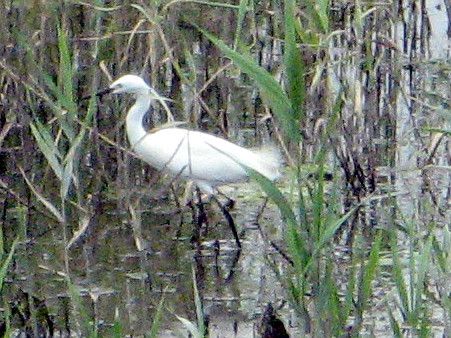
209 161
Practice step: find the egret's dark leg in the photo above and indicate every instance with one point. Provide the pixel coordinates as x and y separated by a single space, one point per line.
202 216
229 219
230 203
195 237
199 216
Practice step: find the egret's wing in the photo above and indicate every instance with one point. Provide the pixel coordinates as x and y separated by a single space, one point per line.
223 160
201 156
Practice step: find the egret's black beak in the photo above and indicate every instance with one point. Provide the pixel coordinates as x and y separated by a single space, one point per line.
98 94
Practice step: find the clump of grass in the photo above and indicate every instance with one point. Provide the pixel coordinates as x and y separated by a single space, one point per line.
416 272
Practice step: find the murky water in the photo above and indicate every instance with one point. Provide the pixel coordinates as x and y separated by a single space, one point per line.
118 281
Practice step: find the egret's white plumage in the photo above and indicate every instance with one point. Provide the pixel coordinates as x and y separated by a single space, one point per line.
208 160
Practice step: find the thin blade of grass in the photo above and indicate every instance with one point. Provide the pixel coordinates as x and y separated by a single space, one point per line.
398 277
348 304
66 72
423 264
42 199
59 107
332 228
190 326
323 14
296 244
84 319
442 251
329 301
393 323
199 307
157 319
7 315
239 24
318 15
6 262
2 243
49 149
294 67
69 164
208 3
369 272
318 203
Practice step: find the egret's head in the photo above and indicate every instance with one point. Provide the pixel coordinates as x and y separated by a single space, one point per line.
131 84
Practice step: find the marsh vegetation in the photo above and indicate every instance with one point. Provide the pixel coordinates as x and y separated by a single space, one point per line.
354 240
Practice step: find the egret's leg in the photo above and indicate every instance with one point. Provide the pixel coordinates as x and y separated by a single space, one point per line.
202 216
230 202
229 219
195 237
199 216
188 193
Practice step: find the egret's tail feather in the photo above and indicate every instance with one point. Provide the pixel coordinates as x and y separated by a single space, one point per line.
270 161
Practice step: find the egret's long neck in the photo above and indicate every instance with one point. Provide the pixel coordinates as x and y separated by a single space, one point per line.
134 120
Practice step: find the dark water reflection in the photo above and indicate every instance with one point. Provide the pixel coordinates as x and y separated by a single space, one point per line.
116 280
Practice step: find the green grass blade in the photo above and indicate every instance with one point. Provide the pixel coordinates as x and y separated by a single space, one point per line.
348 304
7 315
398 277
2 243
329 302
370 271
296 244
447 132
190 326
239 25
6 262
332 228
84 319
393 323
66 72
323 14
318 203
270 89
49 149
60 107
65 104
42 199
69 164
157 319
274 194
294 67
116 330
318 15
422 265
199 307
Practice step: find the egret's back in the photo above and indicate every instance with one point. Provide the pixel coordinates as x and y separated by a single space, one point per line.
204 158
